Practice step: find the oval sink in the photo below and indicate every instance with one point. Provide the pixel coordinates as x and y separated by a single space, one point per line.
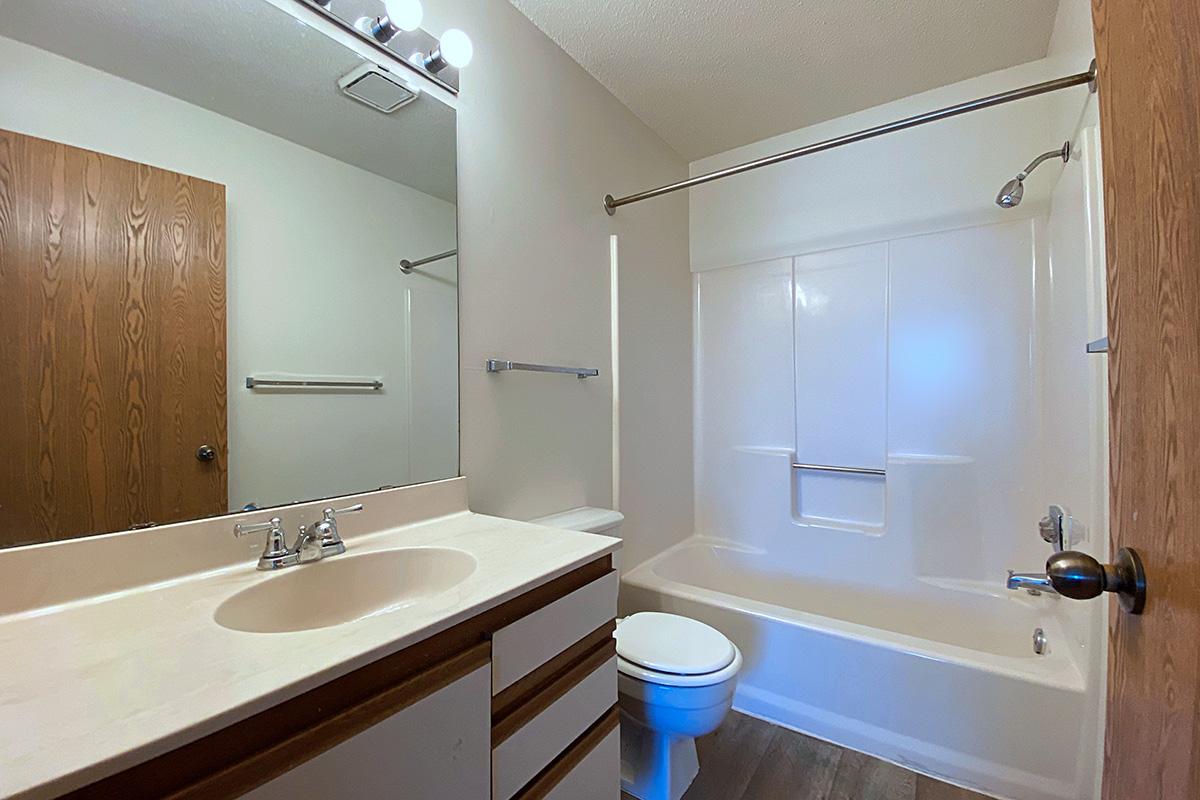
344 589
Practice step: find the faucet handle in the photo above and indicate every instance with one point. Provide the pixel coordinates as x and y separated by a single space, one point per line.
329 513
1053 528
274 524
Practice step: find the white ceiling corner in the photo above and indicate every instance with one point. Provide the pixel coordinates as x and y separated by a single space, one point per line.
710 76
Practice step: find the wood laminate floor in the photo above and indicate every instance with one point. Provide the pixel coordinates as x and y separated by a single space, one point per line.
748 759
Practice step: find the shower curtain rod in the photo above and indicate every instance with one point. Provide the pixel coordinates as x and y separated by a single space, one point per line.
611 204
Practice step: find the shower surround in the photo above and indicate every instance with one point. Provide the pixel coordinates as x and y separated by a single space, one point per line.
950 368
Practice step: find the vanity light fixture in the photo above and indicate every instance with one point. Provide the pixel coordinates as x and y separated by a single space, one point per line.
454 50
393 28
399 15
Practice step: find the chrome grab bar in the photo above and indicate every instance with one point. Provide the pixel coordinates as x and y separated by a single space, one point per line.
500 365
847 470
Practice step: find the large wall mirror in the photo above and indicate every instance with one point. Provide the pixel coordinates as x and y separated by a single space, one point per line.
202 222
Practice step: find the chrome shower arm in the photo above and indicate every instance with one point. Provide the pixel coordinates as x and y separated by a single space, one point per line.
1063 152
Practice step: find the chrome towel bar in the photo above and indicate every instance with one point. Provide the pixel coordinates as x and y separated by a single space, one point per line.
254 383
407 266
500 365
849 470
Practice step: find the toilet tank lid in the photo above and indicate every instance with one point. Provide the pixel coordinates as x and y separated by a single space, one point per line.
585 518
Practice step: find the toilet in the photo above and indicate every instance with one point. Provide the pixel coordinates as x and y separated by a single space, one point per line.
675 682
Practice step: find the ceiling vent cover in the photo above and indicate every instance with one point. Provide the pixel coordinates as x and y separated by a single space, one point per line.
374 86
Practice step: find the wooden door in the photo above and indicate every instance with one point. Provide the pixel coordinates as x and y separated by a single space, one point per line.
112 343
1148 53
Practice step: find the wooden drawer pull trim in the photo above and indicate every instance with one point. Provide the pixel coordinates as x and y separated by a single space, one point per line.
524 690
516 718
561 767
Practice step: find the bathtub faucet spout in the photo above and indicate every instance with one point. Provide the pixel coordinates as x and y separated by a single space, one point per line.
1033 582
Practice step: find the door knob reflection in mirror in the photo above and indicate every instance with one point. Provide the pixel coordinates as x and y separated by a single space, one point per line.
1081 577
205 453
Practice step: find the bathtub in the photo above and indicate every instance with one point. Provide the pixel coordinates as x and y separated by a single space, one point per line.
939 678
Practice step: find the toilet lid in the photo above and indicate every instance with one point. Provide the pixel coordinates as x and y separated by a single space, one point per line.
674 644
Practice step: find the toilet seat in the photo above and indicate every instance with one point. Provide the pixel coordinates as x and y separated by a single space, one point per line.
671 650
631 670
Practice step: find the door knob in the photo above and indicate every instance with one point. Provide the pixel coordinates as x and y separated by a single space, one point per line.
205 453
1081 577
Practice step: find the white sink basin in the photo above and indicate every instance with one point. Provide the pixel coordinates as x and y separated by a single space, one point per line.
343 589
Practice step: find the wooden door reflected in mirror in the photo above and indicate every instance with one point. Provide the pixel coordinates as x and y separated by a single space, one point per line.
113 279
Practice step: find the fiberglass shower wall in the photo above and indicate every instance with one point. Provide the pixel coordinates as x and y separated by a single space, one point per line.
914 357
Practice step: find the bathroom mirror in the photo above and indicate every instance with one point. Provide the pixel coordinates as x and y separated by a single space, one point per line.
203 218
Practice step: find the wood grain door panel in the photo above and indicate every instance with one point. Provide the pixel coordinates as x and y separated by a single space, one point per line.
1148 53
112 275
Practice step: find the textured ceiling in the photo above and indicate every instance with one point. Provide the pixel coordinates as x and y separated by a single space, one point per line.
711 75
247 60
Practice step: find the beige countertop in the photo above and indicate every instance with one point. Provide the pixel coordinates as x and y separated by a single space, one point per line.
99 683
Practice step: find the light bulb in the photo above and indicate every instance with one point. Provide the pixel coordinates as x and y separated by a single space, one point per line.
456 48
404 14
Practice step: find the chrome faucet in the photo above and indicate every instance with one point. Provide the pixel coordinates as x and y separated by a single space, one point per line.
276 554
307 547
1052 529
1032 582
326 531
312 544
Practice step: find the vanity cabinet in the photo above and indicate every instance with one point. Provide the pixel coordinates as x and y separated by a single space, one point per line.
435 748
554 674
517 702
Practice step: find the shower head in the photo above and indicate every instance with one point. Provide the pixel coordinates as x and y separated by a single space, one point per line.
1010 196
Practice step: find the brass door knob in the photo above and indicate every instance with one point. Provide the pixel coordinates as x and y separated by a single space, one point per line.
1080 577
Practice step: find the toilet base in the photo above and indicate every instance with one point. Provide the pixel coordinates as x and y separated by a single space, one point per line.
654 765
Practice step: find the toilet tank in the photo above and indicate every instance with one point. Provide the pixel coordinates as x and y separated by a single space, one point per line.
589 520
586 519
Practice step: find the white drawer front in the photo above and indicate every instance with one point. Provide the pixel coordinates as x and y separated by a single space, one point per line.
527 752
597 776
436 748
531 641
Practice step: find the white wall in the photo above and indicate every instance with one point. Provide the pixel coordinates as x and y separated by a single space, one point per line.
540 144
308 294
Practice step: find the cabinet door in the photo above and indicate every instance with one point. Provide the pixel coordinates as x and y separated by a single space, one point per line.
438 747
